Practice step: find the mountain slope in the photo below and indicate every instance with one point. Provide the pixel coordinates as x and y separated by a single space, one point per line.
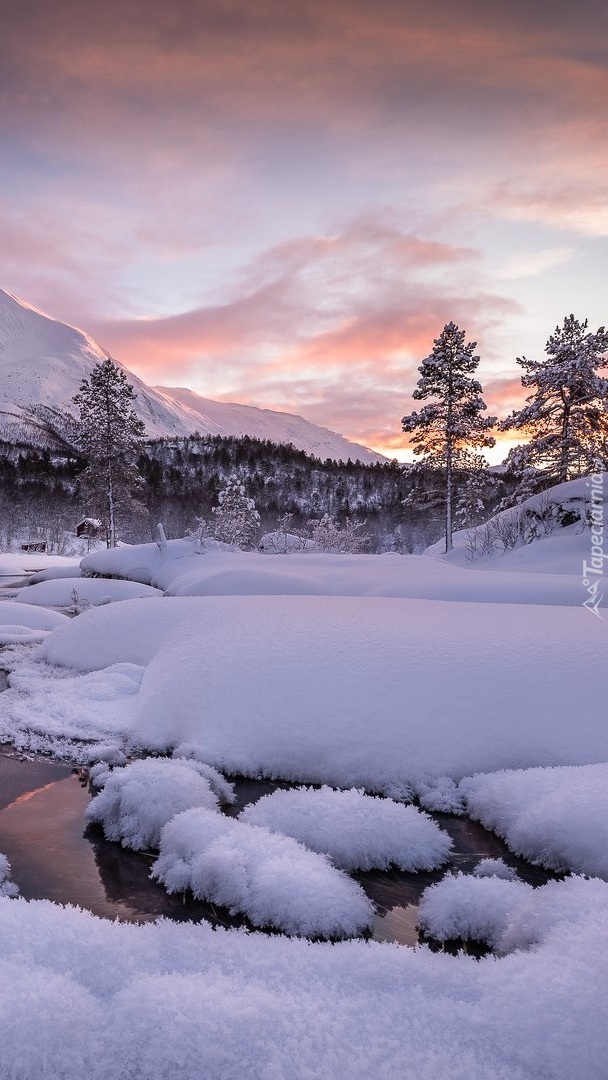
43 361
229 418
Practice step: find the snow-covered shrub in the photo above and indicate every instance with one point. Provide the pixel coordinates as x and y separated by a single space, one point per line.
358 831
139 799
7 887
273 880
328 535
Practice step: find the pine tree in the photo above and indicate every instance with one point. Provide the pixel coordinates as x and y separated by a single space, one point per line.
109 435
567 415
451 424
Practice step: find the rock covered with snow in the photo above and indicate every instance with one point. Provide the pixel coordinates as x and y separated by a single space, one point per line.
556 817
464 906
506 914
79 592
23 623
356 830
137 800
272 879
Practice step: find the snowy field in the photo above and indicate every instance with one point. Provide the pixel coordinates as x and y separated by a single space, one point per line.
477 689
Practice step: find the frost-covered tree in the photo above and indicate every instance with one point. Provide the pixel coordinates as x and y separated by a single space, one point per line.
566 416
446 430
109 434
236 519
328 535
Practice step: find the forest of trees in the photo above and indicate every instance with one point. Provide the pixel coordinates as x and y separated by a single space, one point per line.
40 494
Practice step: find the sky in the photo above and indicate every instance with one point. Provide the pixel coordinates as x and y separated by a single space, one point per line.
282 202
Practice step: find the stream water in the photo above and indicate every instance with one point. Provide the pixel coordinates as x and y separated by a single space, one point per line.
56 856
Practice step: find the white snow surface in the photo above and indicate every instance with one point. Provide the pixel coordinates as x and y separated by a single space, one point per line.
140 798
557 817
272 879
83 997
54 572
356 830
178 571
454 689
60 592
350 691
22 623
470 907
44 709
505 914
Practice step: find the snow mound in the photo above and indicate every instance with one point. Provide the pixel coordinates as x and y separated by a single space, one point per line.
55 572
26 624
495 868
179 570
63 592
13 611
357 831
463 906
7 887
506 915
139 799
555 817
362 692
272 879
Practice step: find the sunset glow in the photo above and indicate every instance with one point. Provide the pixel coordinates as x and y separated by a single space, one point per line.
282 204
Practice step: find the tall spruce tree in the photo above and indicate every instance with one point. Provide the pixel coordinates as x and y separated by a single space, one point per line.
567 415
109 435
446 430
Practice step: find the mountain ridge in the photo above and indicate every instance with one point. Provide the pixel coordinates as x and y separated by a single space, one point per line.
43 361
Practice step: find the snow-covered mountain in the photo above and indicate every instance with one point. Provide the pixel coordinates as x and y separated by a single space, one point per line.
229 418
43 361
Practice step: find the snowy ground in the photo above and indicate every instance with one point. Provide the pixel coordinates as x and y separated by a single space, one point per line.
477 688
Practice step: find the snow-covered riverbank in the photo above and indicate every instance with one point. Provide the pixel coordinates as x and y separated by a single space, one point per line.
396 690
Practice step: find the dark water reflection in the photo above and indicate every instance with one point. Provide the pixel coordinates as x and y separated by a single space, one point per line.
55 856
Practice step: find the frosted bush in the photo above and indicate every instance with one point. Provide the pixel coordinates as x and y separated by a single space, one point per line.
139 799
356 830
7 887
273 880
